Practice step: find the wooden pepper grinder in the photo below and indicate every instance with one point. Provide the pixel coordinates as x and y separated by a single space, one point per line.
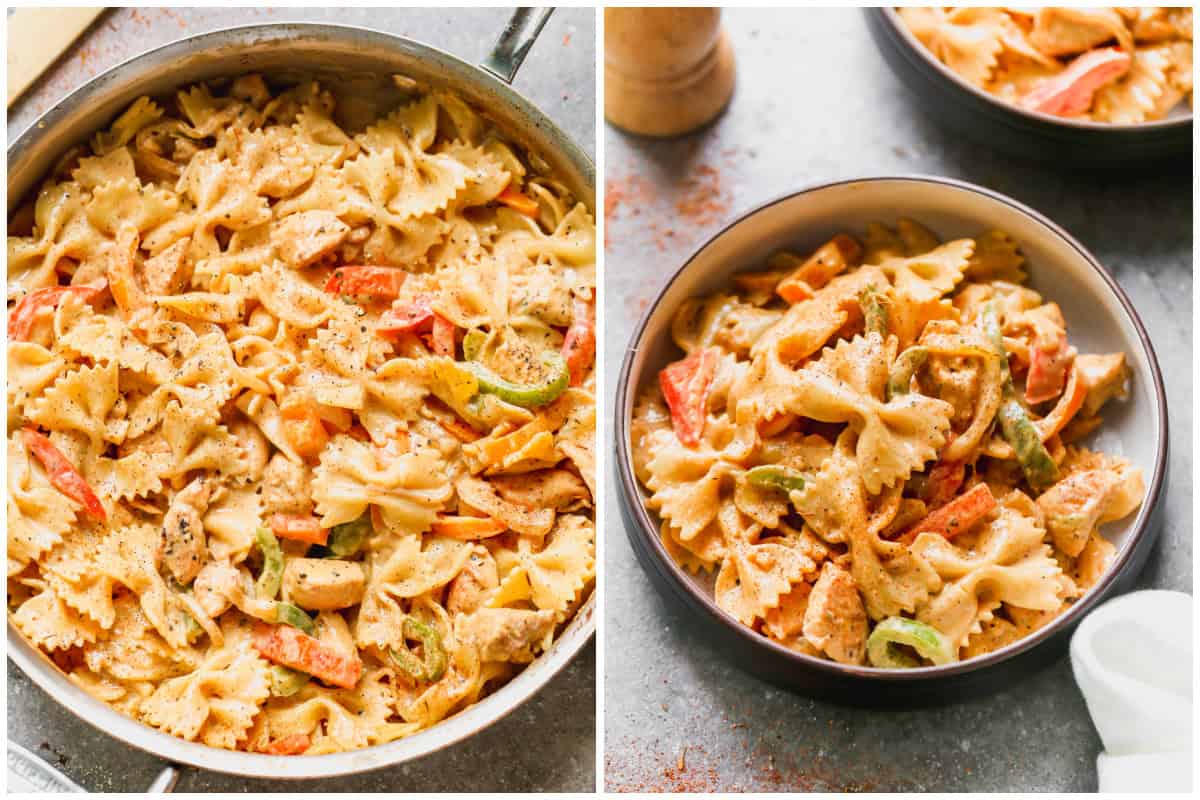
667 71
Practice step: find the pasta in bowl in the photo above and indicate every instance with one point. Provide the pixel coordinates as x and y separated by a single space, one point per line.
301 415
829 469
1112 65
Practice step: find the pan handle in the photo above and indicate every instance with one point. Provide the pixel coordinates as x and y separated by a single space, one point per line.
165 781
515 40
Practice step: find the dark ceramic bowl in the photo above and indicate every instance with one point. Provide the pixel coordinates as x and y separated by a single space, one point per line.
1101 319
975 114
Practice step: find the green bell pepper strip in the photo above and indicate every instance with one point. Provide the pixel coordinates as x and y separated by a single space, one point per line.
903 370
346 539
1015 425
194 629
271 577
875 310
286 681
926 640
472 343
289 614
524 395
775 476
433 667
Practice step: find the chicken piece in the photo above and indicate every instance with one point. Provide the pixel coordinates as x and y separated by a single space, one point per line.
185 548
1104 378
559 489
215 587
1086 498
323 584
1059 31
471 587
168 272
505 634
256 446
835 621
301 239
287 487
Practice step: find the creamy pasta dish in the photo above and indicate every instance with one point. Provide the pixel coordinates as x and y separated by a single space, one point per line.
877 450
300 414
1118 65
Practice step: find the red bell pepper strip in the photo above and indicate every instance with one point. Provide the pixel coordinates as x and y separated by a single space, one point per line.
579 346
685 386
956 516
374 281
63 475
291 745
944 480
1070 92
419 317
25 312
442 338
1048 366
291 647
299 528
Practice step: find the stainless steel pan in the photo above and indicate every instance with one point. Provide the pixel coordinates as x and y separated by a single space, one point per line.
365 59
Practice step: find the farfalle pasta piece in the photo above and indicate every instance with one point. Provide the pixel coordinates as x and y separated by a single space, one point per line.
553 577
929 275
972 49
46 620
216 704
896 437
408 492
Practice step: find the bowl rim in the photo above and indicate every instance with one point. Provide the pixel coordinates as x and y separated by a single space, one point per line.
892 18
648 530
472 720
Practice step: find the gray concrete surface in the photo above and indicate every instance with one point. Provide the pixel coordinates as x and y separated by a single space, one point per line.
549 744
815 101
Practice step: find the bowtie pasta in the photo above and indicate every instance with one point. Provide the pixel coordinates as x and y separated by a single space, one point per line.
301 415
1118 65
876 449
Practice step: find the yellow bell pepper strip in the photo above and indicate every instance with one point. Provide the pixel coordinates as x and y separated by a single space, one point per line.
347 539
882 650
874 306
956 516
291 614
430 668
1015 425
286 681
62 473
271 576
520 394
903 370
302 426
291 647
775 476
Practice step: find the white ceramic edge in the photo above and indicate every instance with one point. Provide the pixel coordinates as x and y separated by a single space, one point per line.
890 15
475 718
1084 263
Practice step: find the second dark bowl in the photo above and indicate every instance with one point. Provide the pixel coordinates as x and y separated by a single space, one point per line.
976 115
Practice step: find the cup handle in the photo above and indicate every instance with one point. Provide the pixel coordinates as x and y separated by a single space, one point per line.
515 40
